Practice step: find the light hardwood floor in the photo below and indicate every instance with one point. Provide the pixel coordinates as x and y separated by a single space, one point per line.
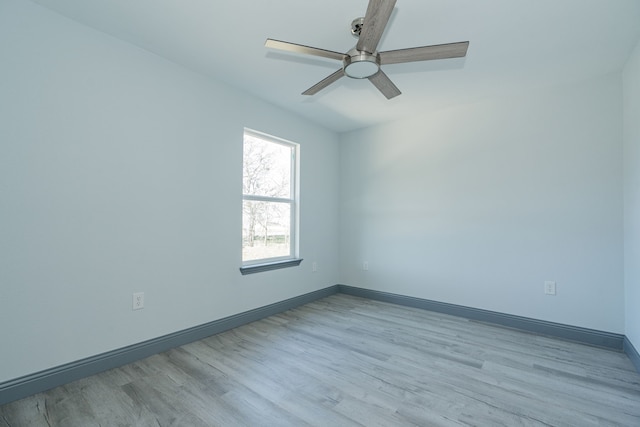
344 361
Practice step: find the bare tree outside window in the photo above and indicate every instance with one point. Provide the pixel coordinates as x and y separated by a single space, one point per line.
268 198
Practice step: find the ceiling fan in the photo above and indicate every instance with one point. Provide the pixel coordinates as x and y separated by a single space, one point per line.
364 61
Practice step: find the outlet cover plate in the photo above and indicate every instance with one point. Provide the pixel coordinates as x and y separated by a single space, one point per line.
138 301
549 288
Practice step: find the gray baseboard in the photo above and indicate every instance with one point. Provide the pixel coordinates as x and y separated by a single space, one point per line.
633 354
572 333
50 378
64 374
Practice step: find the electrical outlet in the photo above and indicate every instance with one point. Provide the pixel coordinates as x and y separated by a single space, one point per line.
550 288
365 265
138 300
314 266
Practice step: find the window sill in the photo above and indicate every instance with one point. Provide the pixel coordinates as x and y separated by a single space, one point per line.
258 268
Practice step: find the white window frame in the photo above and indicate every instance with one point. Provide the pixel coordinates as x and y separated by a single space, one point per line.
292 259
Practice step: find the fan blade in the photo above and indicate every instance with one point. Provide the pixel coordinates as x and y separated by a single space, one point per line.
375 21
324 83
424 53
384 85
298 48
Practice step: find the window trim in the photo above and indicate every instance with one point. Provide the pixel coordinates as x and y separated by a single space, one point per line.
258 268
292 259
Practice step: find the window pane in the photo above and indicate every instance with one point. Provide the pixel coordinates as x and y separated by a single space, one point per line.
265 230
267 168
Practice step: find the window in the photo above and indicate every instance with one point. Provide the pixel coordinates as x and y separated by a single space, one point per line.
269 203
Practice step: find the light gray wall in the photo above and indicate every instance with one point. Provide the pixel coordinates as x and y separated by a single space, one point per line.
479 205
631 79
121 172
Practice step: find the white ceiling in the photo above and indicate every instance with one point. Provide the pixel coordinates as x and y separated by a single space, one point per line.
514 45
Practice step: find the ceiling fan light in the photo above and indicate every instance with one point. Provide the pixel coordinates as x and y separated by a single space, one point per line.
361 69
360 65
